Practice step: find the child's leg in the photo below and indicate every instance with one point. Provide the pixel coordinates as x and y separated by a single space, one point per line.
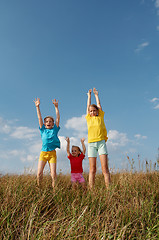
83 184
74 185
41 165
92 171
74 181
81 180
53 173
105 169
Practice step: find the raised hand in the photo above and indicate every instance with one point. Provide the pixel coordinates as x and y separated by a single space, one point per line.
83 145
55 103
67 139
89 92
82 140
95 91
37 102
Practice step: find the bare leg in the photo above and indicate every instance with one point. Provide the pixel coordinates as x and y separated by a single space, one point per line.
53 173
92 171
41 165
105 169
74 185
83 184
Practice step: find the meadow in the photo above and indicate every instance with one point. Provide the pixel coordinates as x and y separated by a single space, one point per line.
129 209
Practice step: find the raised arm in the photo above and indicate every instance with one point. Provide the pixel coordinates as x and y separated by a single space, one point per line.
68 146
89 100
37 104
57 112
97 98
83 145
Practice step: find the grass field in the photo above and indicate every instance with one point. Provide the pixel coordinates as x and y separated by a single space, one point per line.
128 210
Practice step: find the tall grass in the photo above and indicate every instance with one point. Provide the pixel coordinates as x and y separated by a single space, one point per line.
128 210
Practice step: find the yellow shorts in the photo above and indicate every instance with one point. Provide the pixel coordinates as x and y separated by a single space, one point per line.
48 156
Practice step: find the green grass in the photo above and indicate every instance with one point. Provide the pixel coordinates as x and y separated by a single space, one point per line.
128 210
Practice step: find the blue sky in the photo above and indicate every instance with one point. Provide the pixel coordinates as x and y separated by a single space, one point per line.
60 49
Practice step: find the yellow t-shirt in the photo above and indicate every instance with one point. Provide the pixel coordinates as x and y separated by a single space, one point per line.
96 127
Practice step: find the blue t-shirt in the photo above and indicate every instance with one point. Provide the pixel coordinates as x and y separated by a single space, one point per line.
50 140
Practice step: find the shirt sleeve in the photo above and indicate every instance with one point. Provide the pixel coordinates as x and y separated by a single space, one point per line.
82 156
42 128
69 157
87 116
56 128
101 113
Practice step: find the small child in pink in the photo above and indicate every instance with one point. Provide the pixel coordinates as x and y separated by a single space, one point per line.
76 157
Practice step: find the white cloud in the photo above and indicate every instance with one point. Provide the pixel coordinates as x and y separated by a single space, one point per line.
17 132
4 126
157 106
77 124
9 154
157 28
139 136
155 101
157 3
28 158
141 46
117 139
24 133
157 6
35 146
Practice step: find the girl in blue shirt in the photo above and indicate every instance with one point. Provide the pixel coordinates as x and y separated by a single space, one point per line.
50 142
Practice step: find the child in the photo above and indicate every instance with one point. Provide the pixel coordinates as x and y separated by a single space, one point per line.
76 158
97 137
50 142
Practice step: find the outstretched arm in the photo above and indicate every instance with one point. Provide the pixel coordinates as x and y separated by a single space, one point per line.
37 104
68 146
57 112
89 100
97 98
83 145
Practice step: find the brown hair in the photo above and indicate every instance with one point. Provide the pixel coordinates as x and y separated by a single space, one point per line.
78 149
95 106
49 117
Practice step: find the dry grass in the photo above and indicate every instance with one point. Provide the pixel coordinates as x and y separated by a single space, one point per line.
128 210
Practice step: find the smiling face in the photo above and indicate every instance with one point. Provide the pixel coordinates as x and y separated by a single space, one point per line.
75 151
48 122
93 111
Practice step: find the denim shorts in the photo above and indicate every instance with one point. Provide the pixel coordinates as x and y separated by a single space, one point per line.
97 147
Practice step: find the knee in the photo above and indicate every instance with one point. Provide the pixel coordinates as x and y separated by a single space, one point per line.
105 171
92 170
53 176
39 174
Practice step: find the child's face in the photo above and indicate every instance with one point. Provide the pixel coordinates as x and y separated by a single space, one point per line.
93 111
75 151
49 123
